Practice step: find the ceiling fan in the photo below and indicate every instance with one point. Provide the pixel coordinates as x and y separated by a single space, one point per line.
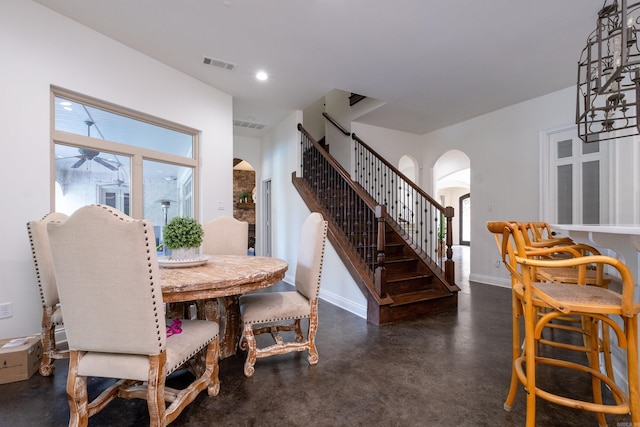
87 154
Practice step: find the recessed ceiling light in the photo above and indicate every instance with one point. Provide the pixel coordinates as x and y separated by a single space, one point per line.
261 75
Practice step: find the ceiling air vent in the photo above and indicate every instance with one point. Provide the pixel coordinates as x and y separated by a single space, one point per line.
248 125
218 63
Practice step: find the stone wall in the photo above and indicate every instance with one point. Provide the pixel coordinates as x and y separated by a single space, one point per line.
244 181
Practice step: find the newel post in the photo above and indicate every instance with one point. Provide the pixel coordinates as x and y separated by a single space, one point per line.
380 275
449 265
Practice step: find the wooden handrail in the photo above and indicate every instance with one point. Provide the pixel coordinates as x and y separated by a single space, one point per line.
336 124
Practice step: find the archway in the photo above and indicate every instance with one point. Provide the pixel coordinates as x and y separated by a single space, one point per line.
409 168
244 198
452 187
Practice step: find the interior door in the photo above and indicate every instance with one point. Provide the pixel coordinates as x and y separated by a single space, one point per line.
266 217
465 219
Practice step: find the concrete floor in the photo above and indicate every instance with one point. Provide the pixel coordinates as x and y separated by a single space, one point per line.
451 369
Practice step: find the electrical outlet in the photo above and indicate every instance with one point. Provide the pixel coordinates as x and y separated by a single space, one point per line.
497 263
6 310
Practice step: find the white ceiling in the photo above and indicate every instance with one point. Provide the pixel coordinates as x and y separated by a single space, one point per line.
433 63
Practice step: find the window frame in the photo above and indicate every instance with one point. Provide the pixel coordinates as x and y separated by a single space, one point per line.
548 176
137 154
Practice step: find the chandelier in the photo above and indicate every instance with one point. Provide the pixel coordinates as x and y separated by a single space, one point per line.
609 75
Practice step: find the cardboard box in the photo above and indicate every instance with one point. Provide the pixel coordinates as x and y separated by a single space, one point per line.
19 358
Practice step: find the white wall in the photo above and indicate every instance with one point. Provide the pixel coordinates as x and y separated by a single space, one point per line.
281 154
392 144
503 147
314 121
41 48
337 106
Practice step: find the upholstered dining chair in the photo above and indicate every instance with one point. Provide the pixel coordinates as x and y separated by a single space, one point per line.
601 305
111 298
51 312
283 311
225 235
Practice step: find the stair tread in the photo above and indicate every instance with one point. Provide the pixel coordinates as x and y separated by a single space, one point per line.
407 275
399 259
417 296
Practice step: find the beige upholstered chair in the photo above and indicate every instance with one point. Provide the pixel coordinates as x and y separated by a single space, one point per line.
111 297
282 307
225 235
51 313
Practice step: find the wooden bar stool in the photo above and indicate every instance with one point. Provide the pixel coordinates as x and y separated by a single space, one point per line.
561 299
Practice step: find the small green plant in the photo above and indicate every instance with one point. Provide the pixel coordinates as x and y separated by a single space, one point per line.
183 232
442 229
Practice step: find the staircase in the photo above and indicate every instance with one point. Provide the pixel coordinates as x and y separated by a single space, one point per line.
392 256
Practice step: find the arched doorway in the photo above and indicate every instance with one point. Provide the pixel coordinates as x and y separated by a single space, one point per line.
244 198
452 180
452 187
465 219
409 168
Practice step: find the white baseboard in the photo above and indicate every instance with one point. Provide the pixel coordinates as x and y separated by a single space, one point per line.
343 303
490 280
339 301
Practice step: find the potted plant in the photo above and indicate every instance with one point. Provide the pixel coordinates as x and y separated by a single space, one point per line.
183 236
442 235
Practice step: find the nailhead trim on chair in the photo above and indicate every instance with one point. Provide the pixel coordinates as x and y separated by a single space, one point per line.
35 261
321 263
279 318
187 358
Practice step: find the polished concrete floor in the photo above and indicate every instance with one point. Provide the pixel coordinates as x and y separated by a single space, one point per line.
450 369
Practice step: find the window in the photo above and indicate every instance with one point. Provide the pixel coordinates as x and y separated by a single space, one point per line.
576 179
141 165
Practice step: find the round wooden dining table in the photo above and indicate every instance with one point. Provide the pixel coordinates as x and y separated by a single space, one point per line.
222 278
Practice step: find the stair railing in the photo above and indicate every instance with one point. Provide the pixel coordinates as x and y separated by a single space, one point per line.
421 218
336 124
349 207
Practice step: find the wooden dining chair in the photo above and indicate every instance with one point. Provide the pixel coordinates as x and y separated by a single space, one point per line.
537 236
225 235
51 312
111 298
560 299
283 311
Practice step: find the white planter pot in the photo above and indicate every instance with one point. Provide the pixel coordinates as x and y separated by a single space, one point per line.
184 253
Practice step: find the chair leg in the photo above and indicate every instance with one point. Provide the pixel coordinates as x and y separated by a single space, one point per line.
47 335
631 328
155 390
213 356
298 329
313 328
530 316
606 350
250 340
515 351
594 362
77 394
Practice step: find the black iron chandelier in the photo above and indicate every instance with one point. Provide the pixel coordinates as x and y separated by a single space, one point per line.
609 75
